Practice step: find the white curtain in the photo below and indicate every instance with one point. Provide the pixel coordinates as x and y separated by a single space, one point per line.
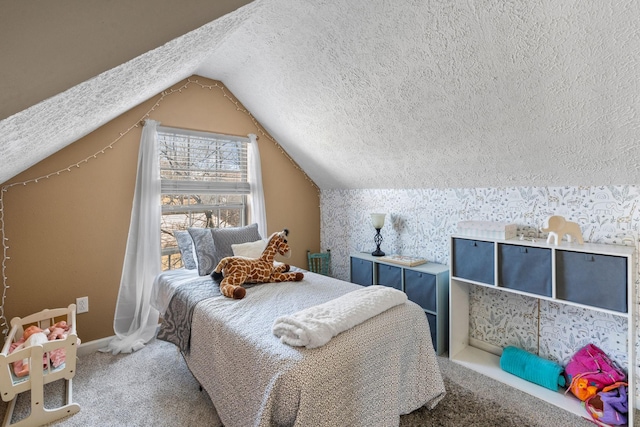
135 320
256 204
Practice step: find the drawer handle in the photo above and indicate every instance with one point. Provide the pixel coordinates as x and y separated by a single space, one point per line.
589 258
524 250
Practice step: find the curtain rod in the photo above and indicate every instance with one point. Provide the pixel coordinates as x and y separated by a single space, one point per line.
202 131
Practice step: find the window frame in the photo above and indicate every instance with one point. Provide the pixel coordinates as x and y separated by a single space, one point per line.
198 189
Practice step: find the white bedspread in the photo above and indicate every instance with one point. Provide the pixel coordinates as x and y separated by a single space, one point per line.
366 376
315 326
165 285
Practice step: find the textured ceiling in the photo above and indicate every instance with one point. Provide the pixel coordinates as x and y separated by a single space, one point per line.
39 131
400 94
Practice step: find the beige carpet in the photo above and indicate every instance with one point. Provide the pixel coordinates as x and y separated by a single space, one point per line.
153 387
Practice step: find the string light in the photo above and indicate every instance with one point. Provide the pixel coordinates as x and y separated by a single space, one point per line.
4 326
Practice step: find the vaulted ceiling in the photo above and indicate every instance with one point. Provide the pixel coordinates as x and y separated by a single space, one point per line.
370 94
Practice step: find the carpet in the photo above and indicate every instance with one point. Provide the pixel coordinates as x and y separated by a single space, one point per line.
461 407
153 387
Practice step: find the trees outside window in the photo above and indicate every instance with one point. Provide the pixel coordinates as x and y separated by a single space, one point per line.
204 184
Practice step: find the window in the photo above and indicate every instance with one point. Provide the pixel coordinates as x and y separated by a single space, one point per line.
203 184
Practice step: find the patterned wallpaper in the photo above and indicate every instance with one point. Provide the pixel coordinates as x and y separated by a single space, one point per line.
420 221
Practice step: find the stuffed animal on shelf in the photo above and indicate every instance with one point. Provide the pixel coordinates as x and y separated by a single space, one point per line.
236 271
557 227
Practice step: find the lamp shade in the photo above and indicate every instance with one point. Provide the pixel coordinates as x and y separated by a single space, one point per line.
377 219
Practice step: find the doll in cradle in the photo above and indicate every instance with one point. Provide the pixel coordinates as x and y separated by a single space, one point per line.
58 331
34 335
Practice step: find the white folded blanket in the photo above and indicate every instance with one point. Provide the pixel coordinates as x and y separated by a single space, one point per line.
316 325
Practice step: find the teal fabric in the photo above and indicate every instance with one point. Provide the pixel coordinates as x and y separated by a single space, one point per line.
532 368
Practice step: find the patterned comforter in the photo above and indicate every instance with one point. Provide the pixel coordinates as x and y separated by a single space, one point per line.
176 322
368 375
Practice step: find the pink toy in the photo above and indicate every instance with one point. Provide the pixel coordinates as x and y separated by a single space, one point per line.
58 331
33 335
593 365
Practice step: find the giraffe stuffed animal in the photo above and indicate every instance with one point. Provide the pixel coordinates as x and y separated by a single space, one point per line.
235 271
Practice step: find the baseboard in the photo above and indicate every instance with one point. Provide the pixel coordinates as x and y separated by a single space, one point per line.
93 346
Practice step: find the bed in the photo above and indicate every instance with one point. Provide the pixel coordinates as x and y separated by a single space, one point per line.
368 375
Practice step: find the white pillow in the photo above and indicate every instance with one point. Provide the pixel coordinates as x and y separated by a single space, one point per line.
249 249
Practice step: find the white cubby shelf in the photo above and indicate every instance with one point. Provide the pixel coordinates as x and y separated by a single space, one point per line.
594 276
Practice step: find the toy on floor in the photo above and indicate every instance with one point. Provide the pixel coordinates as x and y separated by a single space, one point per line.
236 271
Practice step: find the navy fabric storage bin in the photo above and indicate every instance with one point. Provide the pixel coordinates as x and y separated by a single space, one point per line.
473 260
361 272
421 288
389 276
597 280
525 269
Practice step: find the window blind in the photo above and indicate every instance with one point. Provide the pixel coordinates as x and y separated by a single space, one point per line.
193 162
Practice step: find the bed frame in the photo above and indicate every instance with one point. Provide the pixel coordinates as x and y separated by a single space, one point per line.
11 386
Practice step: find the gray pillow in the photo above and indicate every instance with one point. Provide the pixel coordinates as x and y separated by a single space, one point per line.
213 244
185 244
223 238
205 250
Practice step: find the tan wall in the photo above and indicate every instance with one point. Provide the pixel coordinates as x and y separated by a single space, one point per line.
58 44
67 233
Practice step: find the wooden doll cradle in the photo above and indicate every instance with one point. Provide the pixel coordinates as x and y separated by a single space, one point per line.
39 375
